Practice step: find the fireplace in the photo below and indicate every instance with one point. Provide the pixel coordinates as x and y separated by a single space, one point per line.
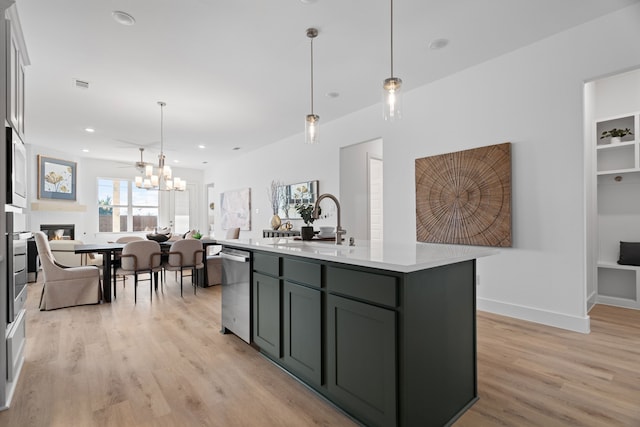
59 231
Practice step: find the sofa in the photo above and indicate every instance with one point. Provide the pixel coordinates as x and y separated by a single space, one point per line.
64 253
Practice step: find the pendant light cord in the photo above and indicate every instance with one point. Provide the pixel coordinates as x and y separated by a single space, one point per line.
391 14
311 76
161 157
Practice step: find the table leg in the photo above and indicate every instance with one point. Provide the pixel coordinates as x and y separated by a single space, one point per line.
106 276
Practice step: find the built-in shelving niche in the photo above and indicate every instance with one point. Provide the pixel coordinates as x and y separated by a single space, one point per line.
618 170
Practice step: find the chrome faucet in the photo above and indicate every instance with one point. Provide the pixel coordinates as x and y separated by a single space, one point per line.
316 213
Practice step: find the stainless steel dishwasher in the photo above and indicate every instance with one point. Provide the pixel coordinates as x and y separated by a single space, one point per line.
236 292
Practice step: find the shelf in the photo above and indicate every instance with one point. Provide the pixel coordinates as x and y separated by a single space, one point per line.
58 206
614 146
615 265
618 171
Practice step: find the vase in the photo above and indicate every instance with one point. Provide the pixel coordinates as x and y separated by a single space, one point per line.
616 140
276 222
306 232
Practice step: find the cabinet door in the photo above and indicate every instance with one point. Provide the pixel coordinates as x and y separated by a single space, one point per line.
13 61
266 313
362 360
20 96
303 331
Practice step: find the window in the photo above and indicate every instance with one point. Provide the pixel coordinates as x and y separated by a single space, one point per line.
124 207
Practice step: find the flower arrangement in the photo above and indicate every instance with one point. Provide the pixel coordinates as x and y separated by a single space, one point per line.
274 194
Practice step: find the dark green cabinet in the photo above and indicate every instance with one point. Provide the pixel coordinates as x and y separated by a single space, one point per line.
266 313
390 348
303 331
361 359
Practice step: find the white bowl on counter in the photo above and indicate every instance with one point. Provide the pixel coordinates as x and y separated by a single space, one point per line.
326 231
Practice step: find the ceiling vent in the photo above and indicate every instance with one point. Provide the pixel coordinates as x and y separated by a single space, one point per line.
80 84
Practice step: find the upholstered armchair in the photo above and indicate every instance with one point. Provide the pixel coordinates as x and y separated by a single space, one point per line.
214 260
65 286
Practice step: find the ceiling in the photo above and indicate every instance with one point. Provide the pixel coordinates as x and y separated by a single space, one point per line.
235 73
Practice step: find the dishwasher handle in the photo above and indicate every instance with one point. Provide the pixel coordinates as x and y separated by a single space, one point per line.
233 257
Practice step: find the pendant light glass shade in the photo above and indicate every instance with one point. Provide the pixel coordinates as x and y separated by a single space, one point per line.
392 102
311 128
392 88
312 121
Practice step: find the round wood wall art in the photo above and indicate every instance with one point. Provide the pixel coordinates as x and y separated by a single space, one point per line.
465 197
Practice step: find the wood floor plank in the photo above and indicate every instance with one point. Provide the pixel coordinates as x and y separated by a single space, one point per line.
165 363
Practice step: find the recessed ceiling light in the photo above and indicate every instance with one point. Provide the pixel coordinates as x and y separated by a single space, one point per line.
123 17
205 162
333 95
90 130
202 146
176 161
235 148
85 150
438 44
308 1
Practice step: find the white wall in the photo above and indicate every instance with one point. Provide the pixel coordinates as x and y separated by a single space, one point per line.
88 170
532 97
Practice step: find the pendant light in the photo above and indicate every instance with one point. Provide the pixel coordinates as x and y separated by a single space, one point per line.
392 94
163 179
312 121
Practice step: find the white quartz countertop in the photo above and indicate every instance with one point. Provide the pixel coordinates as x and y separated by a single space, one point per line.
404 258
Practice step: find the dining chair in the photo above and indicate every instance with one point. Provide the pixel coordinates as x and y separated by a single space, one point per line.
140 257
116 262
186 254
65 286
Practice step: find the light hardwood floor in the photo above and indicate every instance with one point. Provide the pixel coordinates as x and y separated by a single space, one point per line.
165 363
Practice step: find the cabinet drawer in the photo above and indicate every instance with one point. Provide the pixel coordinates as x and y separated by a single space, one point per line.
370 287
269 264
305 272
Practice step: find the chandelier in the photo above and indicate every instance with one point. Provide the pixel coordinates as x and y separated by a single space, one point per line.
161 179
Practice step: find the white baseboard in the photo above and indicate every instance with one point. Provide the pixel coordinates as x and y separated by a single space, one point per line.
550 318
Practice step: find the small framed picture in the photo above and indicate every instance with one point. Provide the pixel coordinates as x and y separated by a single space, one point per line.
56 179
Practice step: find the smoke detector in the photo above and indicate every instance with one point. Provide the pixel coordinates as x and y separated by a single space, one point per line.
80 84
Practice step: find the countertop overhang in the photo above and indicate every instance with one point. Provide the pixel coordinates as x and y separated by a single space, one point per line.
404 258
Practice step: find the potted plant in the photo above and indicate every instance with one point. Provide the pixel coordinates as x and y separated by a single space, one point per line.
616 134
306 212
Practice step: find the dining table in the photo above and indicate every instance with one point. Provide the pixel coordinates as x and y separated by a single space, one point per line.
109 251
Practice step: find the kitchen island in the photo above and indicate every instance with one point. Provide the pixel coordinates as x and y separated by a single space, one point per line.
386 332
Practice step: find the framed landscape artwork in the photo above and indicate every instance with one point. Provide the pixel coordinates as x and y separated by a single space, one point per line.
56 179
235 209
304 193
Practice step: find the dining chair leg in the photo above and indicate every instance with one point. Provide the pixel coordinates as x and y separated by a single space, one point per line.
180 281
135 288
193 281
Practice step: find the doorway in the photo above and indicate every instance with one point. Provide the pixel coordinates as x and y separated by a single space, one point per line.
361 183
181 209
